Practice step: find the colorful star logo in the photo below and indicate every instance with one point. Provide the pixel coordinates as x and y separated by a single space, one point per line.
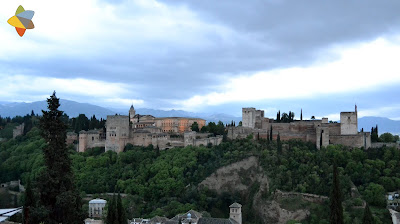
22 20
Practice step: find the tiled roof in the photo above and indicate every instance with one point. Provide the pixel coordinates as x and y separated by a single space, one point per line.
159 219
235 205
216 221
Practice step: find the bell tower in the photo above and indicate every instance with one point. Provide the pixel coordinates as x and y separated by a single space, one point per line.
132 113
236 212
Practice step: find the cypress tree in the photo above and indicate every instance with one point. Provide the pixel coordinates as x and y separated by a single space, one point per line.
279 143
120 211
368 218
29 202
111 215
270 133
301 115
336 215
157 151
58 196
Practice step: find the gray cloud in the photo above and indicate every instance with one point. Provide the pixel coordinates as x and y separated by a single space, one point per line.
240 37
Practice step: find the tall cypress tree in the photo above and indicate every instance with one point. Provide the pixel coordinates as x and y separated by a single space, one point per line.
29 202
336 216
279 143
368 218
120 211
59 198
301 114
111 214
270 133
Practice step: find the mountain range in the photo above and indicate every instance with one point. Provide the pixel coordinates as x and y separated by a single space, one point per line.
73 109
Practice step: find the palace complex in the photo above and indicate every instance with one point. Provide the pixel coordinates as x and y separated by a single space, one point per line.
320 132
143 130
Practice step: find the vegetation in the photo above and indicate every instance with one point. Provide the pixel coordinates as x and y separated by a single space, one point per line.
165 182
336 208
58 200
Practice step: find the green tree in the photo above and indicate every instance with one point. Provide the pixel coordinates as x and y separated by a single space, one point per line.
270 133
301 115
279 143
195 127
336 215
59 198
120 211
29 202
375 194
387 137
368 218
111 211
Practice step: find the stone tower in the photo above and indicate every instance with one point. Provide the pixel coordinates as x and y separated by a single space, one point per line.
349 123
248 117
236 212
117 133
132 113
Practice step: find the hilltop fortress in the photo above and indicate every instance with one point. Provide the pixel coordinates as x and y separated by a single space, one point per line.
144 130
169 132
321 132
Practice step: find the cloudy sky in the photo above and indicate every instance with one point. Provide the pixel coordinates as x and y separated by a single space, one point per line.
207 56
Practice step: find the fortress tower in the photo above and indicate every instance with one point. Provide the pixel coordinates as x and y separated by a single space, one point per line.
349 123
117 134
132 113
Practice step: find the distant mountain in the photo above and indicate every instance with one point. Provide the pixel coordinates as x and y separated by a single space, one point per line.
384 124
72 108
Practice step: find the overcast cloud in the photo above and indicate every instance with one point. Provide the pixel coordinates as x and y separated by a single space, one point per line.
207 56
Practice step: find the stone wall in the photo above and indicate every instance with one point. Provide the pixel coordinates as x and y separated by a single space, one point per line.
239 132
358 140
305 196
19 130
72 137
190 138
387 144
91 139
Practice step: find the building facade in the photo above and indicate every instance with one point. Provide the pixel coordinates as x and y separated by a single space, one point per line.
144 130
96 208
321 132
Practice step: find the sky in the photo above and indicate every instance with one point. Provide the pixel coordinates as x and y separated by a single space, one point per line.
207 56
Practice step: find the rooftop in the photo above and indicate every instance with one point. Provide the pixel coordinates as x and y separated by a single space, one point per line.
97 201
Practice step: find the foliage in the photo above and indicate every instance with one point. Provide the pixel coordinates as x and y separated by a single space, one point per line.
336 208
374 134
195 127
388 137
167 184
367 219
58 198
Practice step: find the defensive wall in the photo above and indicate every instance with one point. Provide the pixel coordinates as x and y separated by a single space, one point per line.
320 132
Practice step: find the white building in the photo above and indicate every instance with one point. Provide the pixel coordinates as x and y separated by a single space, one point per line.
96 208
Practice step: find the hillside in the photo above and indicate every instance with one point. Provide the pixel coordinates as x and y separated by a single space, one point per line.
249 172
